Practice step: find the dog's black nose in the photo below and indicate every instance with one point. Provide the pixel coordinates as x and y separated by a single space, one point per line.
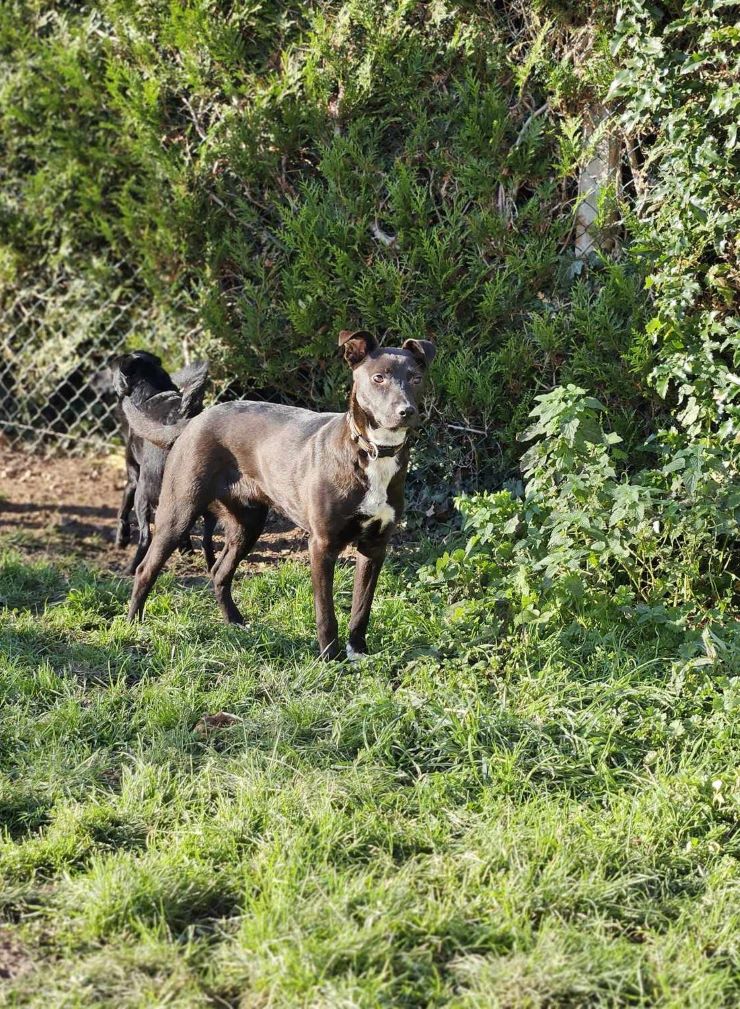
406 411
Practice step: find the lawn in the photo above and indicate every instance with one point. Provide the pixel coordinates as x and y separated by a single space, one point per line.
536 822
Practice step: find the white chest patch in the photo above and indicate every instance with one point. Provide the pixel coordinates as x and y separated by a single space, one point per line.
375 505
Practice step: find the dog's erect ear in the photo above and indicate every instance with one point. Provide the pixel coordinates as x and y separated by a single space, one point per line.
195 373
423 350
164 407
191 381
356 344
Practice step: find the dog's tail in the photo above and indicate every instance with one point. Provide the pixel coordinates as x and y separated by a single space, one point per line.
162 435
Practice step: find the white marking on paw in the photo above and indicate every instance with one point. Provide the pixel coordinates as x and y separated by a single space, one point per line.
354 656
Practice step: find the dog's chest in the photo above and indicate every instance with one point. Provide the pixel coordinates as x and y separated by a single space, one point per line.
374 506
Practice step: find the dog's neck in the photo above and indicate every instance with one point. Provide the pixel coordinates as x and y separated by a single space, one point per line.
376 442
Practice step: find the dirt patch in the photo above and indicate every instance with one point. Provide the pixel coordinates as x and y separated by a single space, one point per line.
69 505
14 959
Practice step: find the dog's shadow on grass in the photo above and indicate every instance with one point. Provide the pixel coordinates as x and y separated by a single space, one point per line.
260 638
108 662
78 519
88 600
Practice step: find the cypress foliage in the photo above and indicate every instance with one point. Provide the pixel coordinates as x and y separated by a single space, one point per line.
262 175
267 175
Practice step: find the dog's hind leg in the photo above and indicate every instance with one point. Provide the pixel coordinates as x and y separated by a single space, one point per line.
171 525
242 528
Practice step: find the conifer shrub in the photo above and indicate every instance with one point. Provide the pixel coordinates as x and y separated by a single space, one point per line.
264 176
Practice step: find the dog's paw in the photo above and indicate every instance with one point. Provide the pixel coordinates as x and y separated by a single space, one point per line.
331 652
355 656
240 625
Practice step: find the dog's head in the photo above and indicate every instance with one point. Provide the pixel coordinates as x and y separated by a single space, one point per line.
388 382
137 368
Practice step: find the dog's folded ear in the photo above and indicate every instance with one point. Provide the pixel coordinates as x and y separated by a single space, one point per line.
423 350
119 369
356 344
126 370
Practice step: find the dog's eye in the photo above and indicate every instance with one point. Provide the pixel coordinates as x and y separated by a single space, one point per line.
415 379
379 378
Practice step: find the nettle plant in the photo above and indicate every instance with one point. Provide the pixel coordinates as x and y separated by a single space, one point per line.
583 534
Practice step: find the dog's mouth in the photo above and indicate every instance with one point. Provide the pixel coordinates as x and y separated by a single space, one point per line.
394 424
406 425
401 428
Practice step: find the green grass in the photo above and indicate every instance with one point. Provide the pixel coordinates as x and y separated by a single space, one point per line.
536 822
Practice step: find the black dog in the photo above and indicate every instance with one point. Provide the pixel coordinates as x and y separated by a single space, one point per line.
167 399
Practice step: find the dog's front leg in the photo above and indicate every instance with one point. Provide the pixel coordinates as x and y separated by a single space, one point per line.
323 561
369 562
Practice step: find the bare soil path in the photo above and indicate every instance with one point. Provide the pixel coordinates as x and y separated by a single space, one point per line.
60 504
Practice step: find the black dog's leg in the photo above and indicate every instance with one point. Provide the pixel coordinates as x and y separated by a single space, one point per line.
123 532
185 546
143 518
323 562
369 563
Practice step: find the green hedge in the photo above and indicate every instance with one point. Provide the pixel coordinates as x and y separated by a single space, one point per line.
265 174
272 173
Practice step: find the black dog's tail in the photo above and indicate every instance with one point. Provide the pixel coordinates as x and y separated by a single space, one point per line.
162 435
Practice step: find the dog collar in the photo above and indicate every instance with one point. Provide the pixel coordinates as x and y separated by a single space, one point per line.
373 450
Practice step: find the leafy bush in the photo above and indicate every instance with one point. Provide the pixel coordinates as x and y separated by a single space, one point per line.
679 90
261 177
585 537
601 535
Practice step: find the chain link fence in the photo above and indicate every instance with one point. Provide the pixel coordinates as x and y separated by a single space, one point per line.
57 339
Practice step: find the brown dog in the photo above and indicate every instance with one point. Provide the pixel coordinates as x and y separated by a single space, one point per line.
339 476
